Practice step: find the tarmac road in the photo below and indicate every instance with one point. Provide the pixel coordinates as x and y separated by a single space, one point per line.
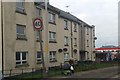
97 74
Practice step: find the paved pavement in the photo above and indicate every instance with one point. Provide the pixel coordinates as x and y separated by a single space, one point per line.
111 72
0 74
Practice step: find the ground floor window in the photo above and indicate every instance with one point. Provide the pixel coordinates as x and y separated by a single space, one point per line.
39 57
52 56
66 57
21 58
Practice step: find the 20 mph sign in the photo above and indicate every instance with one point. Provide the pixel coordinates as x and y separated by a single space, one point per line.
37 23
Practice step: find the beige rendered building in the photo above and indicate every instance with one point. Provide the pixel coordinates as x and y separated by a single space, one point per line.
64 36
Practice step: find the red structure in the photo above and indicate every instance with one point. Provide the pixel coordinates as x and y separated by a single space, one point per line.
107 53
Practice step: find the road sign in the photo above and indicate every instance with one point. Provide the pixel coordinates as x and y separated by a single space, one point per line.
37 23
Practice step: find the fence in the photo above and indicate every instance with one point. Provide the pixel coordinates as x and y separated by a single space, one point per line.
53 71
32 72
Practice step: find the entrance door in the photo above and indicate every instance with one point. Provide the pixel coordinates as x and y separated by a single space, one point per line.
82 56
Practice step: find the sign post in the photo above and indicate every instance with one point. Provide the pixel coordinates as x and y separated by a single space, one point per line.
37 23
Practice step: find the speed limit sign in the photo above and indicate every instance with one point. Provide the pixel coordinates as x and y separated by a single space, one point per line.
37 23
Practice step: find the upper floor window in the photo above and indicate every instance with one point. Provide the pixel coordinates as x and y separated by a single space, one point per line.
20 31
20 5
51 17
21 58
75 41
39 57
87 31
52 36
75 27
52 56
65 24
65 40
37 35
87 43
38 12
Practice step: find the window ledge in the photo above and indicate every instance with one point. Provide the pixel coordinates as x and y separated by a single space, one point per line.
21 12
23 65
38 41
52 42
66 45
52 23
75 31
22 39
65 28
75 45
39 62
53 61
87 34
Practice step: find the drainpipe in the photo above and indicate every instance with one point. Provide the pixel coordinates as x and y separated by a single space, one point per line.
2 38
71 41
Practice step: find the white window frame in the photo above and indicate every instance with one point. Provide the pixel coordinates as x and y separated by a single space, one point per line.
52 36
75 41
87 30
65 24
39 60
75 27
51 17
52 56
21 58
87 43
65 40
37 35
66 57
19 8
39 10
21 35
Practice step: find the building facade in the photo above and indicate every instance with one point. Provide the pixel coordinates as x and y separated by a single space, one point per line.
64 36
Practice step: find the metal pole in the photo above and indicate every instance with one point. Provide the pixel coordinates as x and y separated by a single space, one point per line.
41 49
46 36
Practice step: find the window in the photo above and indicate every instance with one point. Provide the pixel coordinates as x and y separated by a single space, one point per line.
75 27
20 5
20 31
65 40
38 12
39 57
51 17
66 57
87 31
65 24
21 58
52 56
94 44
37 35
75 41
52 36
93 32
87 43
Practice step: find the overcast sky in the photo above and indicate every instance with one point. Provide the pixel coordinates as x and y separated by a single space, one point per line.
101 13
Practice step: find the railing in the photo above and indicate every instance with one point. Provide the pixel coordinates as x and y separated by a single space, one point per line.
53 71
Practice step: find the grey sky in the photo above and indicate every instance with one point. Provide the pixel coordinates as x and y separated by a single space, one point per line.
101 13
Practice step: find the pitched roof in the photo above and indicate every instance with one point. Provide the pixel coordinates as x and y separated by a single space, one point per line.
64 14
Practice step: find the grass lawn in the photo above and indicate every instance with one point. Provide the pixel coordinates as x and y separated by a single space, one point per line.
58 71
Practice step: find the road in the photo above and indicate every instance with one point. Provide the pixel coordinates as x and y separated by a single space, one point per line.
99 73
107 73
0 74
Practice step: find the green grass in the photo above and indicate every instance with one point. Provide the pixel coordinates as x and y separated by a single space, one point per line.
86 67
57 72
